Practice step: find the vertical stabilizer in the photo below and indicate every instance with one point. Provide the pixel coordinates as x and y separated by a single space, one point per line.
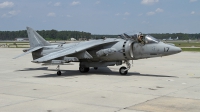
35 39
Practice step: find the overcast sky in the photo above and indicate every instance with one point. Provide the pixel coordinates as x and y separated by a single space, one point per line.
102 16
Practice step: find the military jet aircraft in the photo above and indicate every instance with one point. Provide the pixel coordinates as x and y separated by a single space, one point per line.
97 53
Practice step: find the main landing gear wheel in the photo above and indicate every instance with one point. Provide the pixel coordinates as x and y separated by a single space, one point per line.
95 68
59 73
122 71
87 69
84 69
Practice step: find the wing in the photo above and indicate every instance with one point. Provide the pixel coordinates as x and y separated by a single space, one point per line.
77 48
29 51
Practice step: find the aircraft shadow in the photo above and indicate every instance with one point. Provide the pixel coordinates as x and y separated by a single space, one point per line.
33 69
100 71
65 73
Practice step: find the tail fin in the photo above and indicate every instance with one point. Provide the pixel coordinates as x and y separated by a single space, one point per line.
35 39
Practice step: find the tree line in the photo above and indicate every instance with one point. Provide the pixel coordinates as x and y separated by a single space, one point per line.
47 34
67 35
181 36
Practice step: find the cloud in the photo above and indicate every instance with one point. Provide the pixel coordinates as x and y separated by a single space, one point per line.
150 13
57 4
159 10
6 4
140 14
14 12
193 0
4 15
149 2
11 13
117 14
192 12
97 2
145 22
49 3
69 16
75 3
51 14
127 13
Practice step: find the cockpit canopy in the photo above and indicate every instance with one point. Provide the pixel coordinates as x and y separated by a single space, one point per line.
149 39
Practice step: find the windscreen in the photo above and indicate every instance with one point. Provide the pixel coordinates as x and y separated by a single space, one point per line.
149 39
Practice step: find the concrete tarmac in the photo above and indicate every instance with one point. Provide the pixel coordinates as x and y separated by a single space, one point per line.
163 84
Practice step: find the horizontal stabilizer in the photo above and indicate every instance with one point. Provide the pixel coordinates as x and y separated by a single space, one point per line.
29 51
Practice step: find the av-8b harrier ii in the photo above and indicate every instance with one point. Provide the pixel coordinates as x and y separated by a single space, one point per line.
97 53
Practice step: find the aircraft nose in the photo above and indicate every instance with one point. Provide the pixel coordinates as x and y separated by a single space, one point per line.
175 50
169 49
172 50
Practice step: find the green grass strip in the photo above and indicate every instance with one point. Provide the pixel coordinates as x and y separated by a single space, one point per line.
191 49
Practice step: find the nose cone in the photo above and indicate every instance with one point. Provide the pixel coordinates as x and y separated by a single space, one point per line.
169 49
175 50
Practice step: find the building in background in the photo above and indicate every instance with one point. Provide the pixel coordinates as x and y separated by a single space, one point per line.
21 39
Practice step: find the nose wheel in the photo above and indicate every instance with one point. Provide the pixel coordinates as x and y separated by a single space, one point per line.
123 70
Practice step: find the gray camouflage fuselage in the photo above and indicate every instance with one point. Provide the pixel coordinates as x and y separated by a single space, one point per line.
97 53
125 50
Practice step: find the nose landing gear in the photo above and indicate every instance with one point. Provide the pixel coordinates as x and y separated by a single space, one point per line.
123 70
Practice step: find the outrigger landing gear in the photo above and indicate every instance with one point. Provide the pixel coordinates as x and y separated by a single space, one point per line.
58 70
84 69
123 70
